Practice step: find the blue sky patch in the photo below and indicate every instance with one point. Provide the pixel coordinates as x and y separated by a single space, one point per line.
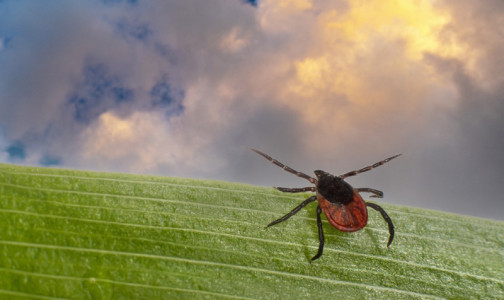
50 160
5 42
164 95
131 2
122 94
98 92
251 2
166 52
139 32
16 151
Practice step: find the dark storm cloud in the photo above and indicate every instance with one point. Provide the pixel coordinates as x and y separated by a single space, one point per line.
467 169
472 172
261 127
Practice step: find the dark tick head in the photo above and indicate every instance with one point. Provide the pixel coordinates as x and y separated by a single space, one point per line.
333 188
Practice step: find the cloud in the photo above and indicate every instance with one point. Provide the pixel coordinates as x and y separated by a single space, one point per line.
477 77
4 144
181 88
110 140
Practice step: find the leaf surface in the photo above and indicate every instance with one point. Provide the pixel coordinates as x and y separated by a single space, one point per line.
87 235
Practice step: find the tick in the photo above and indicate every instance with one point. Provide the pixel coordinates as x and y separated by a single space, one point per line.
342 204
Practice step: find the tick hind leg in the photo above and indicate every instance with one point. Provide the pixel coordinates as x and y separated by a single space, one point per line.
296 190
376 193
293 212
387 219
320 235
365 169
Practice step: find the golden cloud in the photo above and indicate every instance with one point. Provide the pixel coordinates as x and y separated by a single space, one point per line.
364 68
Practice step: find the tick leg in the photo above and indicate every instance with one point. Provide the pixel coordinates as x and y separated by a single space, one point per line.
365 169
286 168
387 219
293 212
296 190
377 193
320 236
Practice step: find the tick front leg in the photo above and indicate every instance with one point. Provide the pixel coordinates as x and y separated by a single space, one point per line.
293 212
320 236
296 190
286 168
377 193
365 169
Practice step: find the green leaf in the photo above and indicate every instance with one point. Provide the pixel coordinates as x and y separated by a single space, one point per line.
83 235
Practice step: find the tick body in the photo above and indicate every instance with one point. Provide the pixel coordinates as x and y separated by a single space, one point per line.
342 204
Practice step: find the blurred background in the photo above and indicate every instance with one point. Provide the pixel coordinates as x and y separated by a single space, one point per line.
182 88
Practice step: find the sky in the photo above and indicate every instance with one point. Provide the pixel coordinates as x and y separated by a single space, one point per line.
183 88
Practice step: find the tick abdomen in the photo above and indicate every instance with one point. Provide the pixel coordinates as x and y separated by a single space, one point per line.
348 217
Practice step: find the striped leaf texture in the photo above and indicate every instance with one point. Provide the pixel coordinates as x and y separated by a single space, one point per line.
68 234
